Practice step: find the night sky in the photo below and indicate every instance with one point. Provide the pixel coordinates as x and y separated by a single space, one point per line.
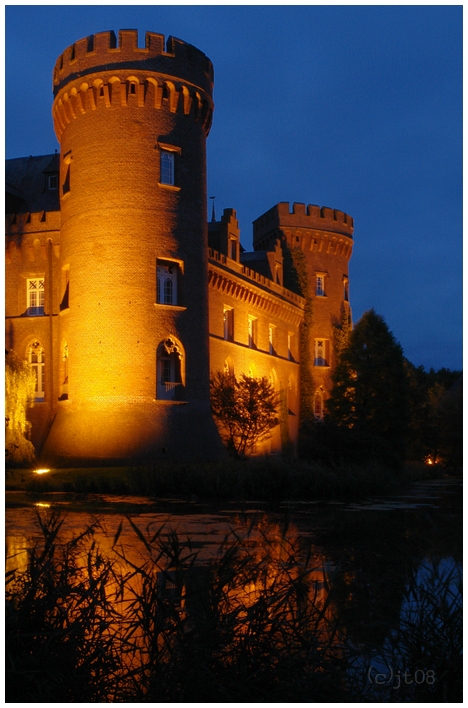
358 108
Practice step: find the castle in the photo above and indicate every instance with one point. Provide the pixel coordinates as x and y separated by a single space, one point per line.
123 297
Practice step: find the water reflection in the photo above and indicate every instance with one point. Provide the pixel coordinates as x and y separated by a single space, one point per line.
339 576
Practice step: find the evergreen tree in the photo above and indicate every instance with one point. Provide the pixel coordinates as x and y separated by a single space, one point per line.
370 394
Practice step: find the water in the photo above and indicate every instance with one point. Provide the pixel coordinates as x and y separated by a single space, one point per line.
369 553
379 543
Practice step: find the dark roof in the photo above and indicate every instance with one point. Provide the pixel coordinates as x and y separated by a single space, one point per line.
26 184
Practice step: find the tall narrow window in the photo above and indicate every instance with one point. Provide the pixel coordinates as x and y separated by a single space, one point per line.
167 282
228 323
167 168
66 172
321 352
290 346
64 386
320 285
169 371
36 358
271 339
233 249
345 290
318 404
252 331
52 182
35 296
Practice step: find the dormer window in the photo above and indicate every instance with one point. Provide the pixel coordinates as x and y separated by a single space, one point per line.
233 249
52 182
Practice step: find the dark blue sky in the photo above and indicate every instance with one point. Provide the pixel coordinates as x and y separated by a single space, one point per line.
358 108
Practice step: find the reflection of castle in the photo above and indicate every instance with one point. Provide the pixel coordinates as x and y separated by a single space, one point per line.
117 292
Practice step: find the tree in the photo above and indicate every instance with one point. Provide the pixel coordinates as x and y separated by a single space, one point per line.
370 393
436 405
19 391
245 411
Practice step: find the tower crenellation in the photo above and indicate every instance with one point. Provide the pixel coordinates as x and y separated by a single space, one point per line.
102 52
97 72
302 216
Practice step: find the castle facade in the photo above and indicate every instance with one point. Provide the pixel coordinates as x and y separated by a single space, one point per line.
124 298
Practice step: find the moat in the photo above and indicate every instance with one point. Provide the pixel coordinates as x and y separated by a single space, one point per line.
375 572
386 537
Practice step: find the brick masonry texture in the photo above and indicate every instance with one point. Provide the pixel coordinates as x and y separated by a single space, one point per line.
116 109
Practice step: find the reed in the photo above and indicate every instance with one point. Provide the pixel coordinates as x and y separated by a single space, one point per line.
257 623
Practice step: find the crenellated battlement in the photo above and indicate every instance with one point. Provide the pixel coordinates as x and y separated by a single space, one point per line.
32 222
302 216
96 73
102 52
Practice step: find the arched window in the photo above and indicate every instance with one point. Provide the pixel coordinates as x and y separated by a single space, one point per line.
35 356
229 367
170 385
318 404
252 372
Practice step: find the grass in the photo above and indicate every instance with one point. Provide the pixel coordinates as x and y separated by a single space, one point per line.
269 478
252 625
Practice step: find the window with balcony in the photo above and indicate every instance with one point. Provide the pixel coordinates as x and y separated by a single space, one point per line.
170 385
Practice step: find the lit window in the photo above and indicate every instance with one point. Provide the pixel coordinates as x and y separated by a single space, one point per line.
318 404
252 372
320 285
167 167
228 317
321 352
35 296
35 356
229 367
252 330
167 283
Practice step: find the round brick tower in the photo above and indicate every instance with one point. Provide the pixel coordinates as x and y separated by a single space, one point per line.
132 125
